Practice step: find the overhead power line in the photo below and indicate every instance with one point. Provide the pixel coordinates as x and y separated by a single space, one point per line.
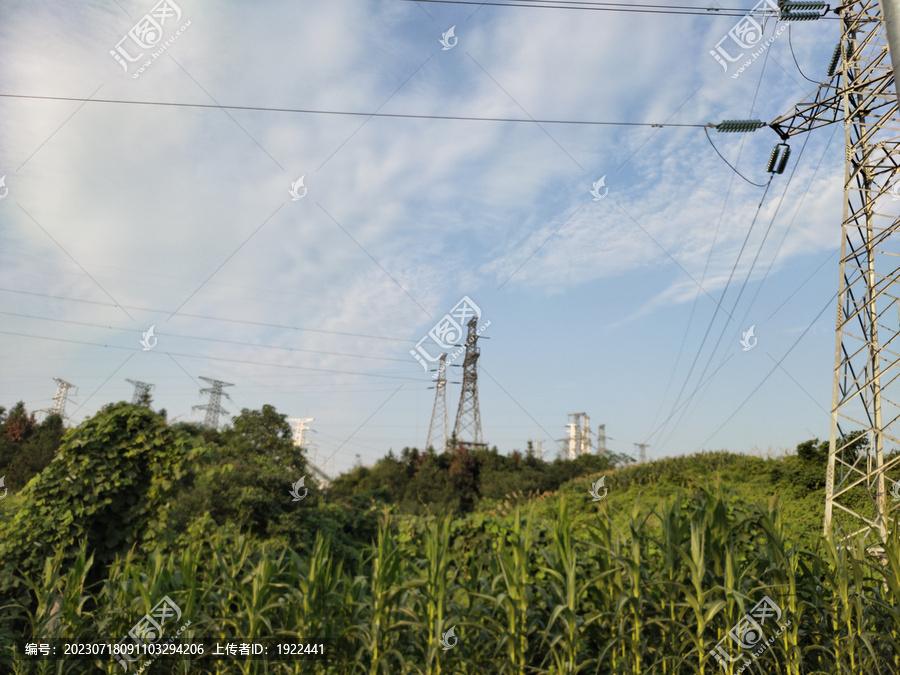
209 318
208 339
608 7
310 111
212 358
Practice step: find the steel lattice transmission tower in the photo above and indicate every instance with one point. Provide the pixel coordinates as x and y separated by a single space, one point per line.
468 415
642 451
579 440
141 392
601 440
60 398
439 412
300 429
570 440
537 448
866 391
214 407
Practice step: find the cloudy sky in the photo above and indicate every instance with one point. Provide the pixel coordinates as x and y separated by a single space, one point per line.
122 216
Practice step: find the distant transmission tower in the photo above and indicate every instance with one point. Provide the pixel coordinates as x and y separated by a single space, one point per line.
439 413
862 93
579 440
300 429
537 448
642 448
141 392
585 444
59 400
214 407
324 478
570 441
601 440
468 415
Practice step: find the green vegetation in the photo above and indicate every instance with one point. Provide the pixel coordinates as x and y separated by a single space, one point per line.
26 447
511 553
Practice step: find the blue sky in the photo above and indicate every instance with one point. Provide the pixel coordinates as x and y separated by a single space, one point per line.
159 209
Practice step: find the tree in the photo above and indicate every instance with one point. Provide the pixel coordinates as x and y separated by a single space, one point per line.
25 446
18 424
464 474
246 478
813 452
110 486
265 432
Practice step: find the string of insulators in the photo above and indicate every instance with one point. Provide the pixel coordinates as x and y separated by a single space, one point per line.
835 59
741 126
794 5
800 10
778 159
799 16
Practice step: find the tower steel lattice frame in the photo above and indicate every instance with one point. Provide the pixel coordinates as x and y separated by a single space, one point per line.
141 391
642 451
468 415
300 429
865 413
439 412
571 440
60 398
214 407
580 442
601 440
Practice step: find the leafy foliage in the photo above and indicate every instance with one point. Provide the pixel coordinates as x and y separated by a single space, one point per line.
541 596
648 580
459 481
243 476
26 447
109 485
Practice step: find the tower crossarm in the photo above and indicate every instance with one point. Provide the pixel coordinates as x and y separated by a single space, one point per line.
821 108
865 78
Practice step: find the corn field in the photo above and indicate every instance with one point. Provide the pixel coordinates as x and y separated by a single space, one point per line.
522 595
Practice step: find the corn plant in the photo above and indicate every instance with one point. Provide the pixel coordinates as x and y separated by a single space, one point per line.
382 616
566 626
651 595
